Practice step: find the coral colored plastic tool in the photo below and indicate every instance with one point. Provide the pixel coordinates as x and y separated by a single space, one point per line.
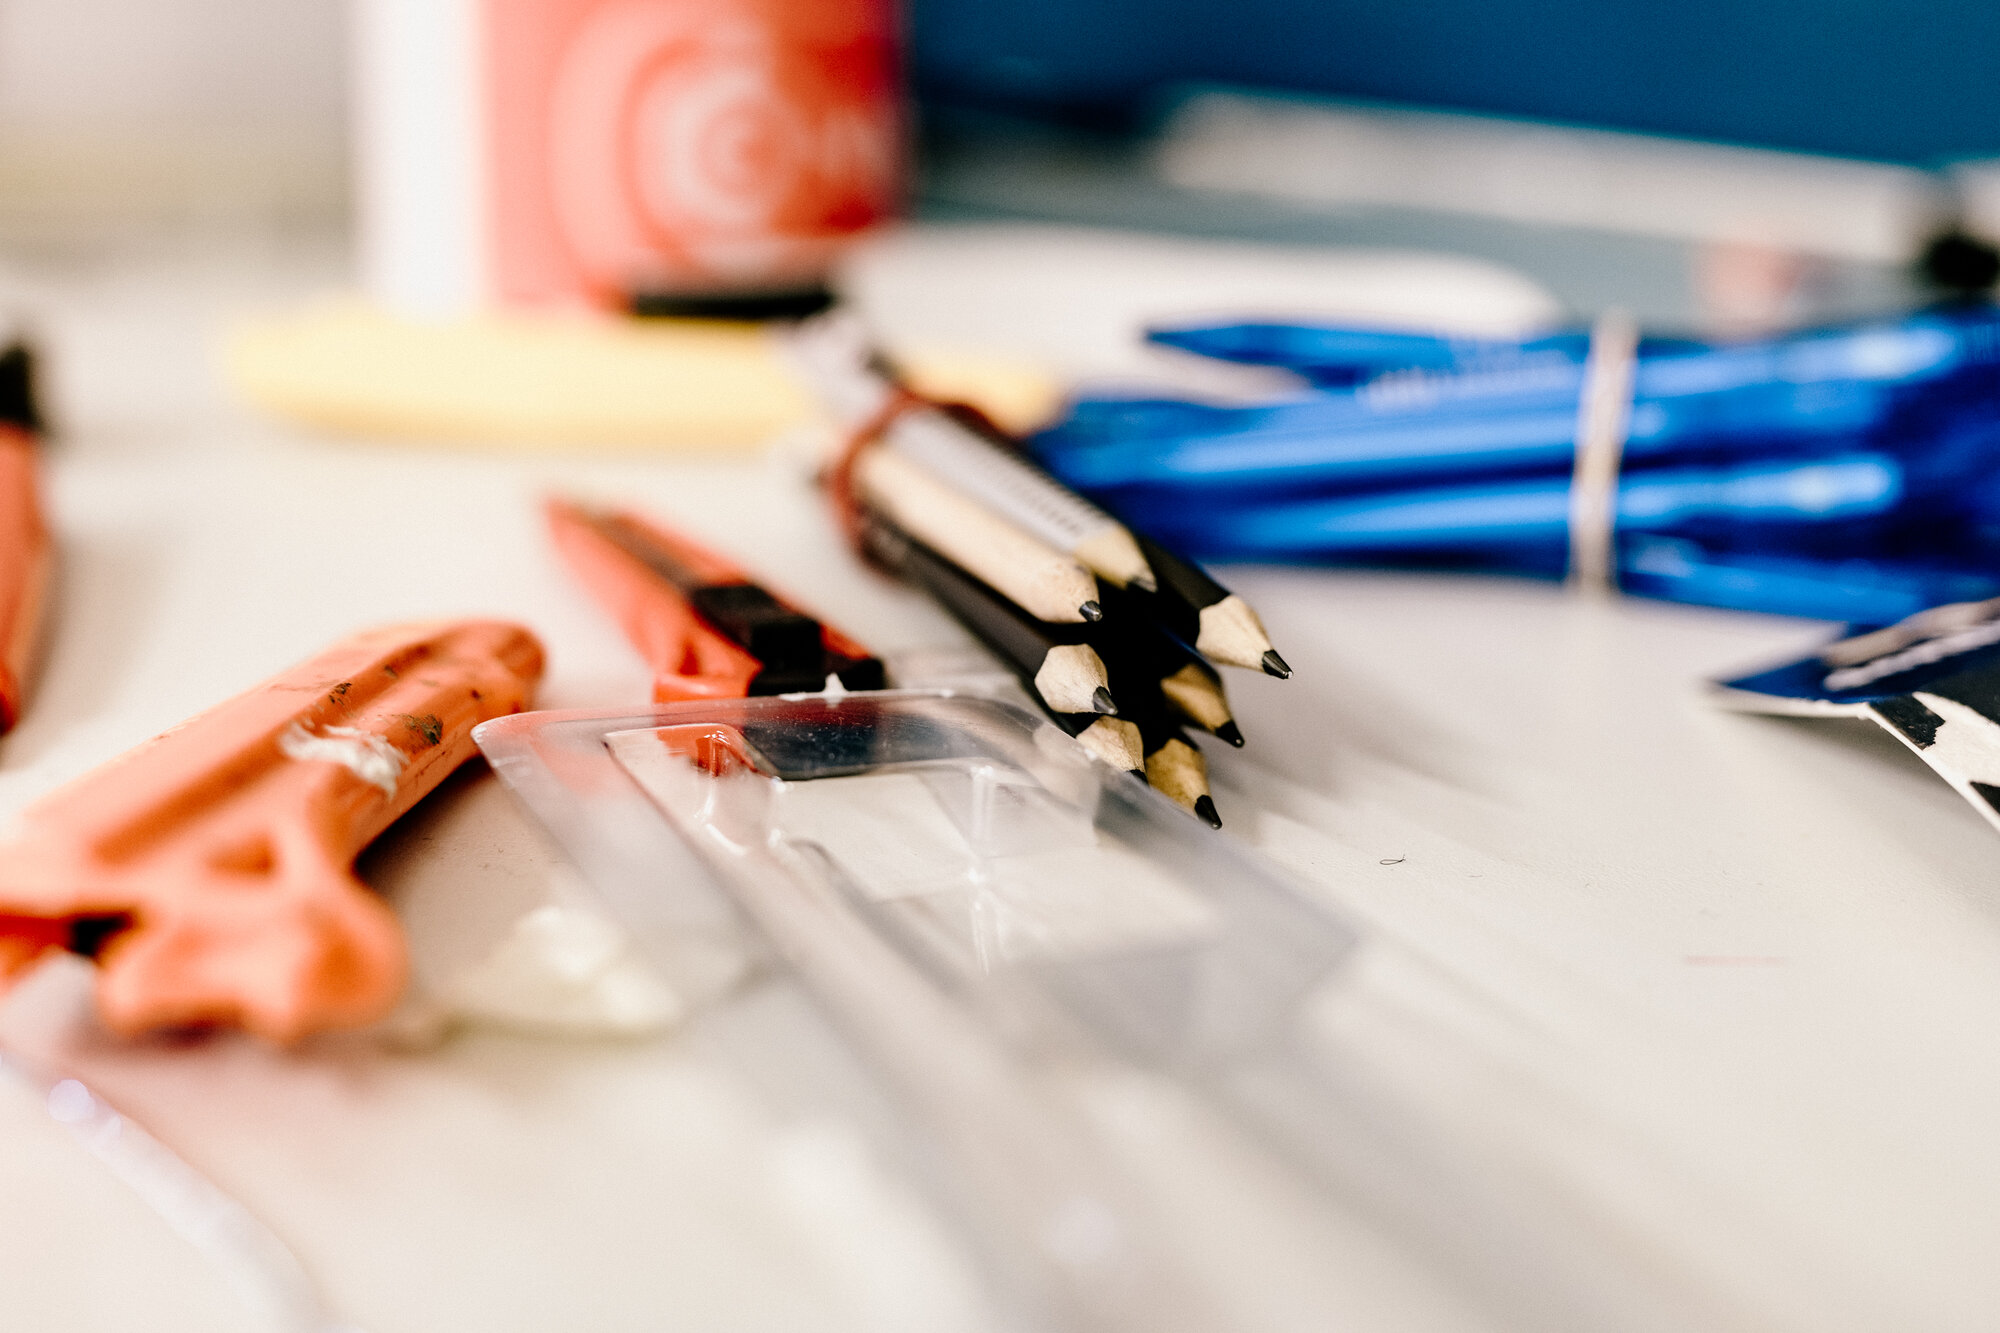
210 871
707 631
25 551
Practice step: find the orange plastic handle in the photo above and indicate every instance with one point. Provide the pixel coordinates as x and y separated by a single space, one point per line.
690 660
25 560
210 870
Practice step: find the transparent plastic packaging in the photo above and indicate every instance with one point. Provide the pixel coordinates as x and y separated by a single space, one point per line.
982 911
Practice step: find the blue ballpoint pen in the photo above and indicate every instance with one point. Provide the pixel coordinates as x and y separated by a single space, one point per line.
1848 473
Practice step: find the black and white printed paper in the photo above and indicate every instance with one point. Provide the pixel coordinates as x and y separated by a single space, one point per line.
1932 680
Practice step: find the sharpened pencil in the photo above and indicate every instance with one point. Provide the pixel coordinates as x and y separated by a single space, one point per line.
1112 739
1175 768
1205 615
1139 648
1053 661
961 447
956 447
1029 572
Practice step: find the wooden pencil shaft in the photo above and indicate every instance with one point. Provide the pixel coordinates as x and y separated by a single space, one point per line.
1173 765
1019 492
1178 771
1112 739
1201 612
1052 660
1231 633
1072 679
1196 694
1035 576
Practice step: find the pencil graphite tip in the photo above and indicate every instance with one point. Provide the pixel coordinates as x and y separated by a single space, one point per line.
1138 773
1274 665
1091 611
1231 733
1101 700
1204 808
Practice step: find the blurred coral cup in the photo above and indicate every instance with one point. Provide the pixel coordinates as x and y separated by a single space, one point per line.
592 150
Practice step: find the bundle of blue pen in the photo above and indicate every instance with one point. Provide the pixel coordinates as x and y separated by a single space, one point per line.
1849 473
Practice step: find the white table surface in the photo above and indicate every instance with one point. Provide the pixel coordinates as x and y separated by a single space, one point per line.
1716 993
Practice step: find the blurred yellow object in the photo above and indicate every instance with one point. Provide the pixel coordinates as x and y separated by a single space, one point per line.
546 380
564 380
1016 396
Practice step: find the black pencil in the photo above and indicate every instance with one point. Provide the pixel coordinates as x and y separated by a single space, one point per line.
1205 615
1055 662
1130 640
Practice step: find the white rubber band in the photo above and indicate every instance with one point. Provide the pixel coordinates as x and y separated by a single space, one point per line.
1603 416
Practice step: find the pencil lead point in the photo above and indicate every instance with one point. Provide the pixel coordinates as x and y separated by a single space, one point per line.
1091 611
1275 665
1138 773
1230 732
1101 700
1204 807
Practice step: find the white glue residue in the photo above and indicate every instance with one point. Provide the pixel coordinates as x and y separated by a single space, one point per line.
364 754
566 970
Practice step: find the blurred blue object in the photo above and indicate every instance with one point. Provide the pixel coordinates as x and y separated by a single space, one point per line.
1859 591
1529 520
1336 358
1848 472
1861 78
1409 426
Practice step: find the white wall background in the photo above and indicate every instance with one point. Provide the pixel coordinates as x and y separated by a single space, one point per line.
151 112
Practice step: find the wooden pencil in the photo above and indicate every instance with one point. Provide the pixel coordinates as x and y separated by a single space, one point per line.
1174 767
961 448
1035 576
1112 739
957 448
1202 613
1053 661
1135 645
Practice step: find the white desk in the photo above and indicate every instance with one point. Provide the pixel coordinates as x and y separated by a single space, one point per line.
1720 990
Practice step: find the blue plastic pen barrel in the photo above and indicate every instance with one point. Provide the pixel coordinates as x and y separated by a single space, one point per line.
1335 356
1814 392
1532 515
